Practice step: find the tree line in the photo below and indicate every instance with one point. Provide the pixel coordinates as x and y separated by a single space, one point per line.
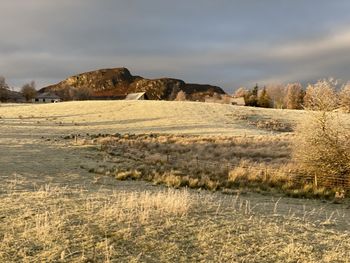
27 92
294 96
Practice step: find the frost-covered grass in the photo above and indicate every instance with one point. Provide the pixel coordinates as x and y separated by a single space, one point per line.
141 117
56 224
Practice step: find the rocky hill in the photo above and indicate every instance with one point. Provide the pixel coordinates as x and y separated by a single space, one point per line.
118 82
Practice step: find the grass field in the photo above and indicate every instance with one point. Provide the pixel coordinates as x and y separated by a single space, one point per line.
160 225
53 209
142 116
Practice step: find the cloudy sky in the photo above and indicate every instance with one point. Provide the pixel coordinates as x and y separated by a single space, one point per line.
223 42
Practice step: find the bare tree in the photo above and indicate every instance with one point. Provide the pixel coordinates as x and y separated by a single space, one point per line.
277 93
175 90
4 89
66 92
28 91
321 96
3 82
181 96
344 97
83 93
240 92
294 96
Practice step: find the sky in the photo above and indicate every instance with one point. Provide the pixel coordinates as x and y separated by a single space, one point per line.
228 43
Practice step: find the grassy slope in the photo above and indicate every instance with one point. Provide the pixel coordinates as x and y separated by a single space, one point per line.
67 224
141 117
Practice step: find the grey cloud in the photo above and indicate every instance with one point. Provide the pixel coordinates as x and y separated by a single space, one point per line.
226 43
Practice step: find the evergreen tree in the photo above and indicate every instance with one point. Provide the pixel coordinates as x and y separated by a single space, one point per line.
255 90
264 99
251 97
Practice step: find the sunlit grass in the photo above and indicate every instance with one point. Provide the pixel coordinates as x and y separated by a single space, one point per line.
75 225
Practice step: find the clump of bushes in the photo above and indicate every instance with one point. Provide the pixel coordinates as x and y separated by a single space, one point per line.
322 145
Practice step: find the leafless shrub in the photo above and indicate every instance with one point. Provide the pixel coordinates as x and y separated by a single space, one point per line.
344 97
321 96
181 96
240 92
83 93
294 96
28 90
66 92
277 94
322 148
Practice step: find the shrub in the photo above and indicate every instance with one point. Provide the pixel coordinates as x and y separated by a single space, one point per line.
344 97
322 148
321 96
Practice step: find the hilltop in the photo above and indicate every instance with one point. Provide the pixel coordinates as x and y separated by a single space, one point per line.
118 82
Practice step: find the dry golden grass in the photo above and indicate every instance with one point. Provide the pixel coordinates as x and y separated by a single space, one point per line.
261 163
61 224
56 224
89 217
140 117
255 140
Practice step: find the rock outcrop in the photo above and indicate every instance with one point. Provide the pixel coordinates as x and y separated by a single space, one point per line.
118 82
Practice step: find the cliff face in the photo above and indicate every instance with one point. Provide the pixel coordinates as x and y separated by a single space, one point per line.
158 89
118 82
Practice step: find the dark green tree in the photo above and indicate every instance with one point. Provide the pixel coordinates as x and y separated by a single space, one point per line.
264 99
251 97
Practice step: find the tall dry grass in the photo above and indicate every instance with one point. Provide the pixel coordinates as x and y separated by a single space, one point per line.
260 163
56 224
65 225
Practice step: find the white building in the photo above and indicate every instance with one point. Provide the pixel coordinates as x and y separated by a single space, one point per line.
46 97
137 96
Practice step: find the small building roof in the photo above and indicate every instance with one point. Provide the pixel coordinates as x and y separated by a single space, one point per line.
47 95
136 96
